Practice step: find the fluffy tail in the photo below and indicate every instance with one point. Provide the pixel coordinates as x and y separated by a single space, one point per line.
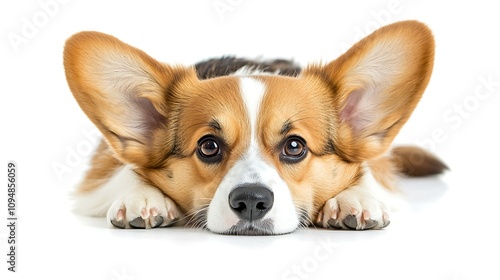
414 161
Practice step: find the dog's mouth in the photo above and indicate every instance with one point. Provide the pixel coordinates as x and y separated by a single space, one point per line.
242 227
261 227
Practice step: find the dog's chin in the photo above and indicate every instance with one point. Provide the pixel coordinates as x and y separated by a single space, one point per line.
261 227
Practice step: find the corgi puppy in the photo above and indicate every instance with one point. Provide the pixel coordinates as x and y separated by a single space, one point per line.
247 147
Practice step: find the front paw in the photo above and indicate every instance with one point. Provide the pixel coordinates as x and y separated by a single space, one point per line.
356 209
144 207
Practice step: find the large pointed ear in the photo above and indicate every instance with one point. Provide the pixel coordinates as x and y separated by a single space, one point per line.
377 85
124 93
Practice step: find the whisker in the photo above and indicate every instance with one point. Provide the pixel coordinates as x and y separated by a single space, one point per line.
198 219
304 219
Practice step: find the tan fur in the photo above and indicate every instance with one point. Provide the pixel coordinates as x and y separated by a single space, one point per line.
305 104
102 168
86 59
180 109
183 177
414 162
384 171
413 44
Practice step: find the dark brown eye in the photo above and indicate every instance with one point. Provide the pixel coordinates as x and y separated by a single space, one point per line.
294 150
209 150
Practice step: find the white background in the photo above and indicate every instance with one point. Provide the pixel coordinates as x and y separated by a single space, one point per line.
449 231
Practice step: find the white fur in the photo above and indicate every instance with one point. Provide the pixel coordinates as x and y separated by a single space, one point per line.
246 71
124 79
367 200
97 202
373 75
127 193
252 92
252 168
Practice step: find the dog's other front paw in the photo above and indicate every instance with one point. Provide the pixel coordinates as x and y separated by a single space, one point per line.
144 207
354 208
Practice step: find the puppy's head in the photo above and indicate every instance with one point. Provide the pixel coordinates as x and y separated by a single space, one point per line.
253 154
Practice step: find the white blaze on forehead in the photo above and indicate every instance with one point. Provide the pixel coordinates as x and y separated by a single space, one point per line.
252 91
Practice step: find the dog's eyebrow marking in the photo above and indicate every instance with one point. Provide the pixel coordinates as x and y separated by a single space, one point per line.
215 125
287 126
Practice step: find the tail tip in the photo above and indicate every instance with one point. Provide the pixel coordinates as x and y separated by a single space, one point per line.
416 162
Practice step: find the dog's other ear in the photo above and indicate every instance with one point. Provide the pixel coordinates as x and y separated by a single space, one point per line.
377 85
124 93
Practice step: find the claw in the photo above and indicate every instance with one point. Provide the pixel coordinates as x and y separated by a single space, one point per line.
138 223
369 224
385 218
351 222
118 224
334 223
156 222
386 223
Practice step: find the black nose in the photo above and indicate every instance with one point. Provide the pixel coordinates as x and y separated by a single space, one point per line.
251 201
